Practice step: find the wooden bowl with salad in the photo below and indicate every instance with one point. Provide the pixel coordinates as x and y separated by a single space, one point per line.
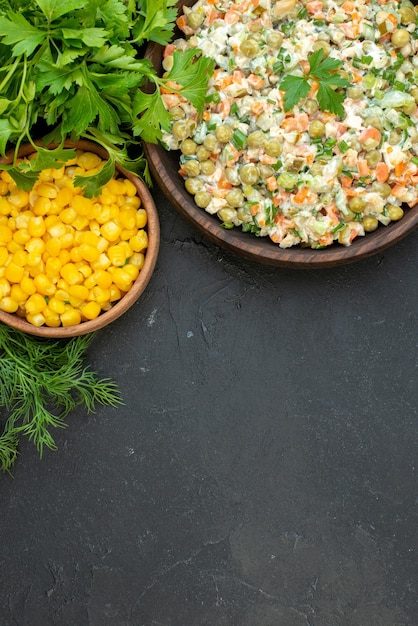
72 263
305 152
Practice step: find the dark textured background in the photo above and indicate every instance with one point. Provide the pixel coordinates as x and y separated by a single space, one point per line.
263 471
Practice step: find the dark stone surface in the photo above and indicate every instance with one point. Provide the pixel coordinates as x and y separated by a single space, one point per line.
263 471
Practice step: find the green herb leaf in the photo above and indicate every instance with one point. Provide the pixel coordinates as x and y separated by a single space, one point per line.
192 71
295 88
329 100
154 117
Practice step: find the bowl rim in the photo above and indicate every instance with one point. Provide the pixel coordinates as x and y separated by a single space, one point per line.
139 285
164 167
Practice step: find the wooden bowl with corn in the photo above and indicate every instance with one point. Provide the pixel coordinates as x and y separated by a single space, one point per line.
70 264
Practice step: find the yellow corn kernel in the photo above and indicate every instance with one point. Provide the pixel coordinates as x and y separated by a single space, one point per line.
127 218
11 221
104 215
138 259
122 279
6 233
70 274
91 310
106 198
27 284
46 175
5 207
64 197
82 205
141 218
47 190
111 230
14 273
21 237
44 285
35 245
36 319
4 188
67 240
116 187
58 173
70 317
130 188
139 242
52 268
64 256
117 255
37 268
36 226
90 282
80 223
102 278
57 230
62 294
133 201
13 246
19 198
115 293
84 268
6 176
75 254
41 206
35 304
68 215
89 238
132 270
100 295
57 305
52 318
53 247
4 287
102 263
89 160
89 253
8 305
17 294
127 234
78 291
4 255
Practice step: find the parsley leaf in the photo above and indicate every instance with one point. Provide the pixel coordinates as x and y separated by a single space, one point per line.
325 73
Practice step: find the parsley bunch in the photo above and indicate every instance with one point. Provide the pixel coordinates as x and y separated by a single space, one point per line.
74 69
324 72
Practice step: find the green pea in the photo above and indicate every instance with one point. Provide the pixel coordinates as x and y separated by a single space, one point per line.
188 147
177 113
357 204
249 47
202 153
180 130
373 157
400 38
273 148
202 199
383 189
274 39
192 167
211 143
311 106
249 174
256 139
407 15
322 45
395 212
370 223
207 168
195 19
316 129
227 214
234 198
193 185
224 133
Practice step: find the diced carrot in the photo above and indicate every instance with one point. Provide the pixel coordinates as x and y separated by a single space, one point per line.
370 133
255 81
299 122
348 6
271 183
206 115
382 172
346 182
392 18
326 240
314 6
254 209
225 107
169 49
231 17
223 183
300 196
398 191
363 167
314 89
400 168
257 107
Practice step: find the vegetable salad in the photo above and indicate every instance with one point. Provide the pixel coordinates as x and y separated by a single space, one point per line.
309 134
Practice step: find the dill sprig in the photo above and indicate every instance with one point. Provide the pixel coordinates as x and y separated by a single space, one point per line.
41 382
